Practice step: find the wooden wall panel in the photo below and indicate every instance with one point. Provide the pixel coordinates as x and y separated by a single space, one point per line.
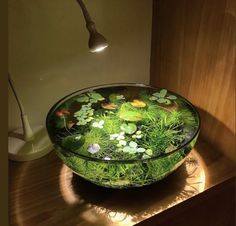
193 54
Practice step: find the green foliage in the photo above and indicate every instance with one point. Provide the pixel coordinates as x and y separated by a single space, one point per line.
129 113
84 115
126 133
118 175
116 98
73 142
128 128
91 97
162 97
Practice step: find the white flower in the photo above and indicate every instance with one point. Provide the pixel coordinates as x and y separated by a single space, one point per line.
122 142
113 136
93 148
120 137
107 158
139 136
78 137
98 124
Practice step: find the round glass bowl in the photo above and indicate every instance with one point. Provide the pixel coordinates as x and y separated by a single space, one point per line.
123 135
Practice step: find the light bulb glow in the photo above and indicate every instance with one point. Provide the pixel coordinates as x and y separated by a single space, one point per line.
99 49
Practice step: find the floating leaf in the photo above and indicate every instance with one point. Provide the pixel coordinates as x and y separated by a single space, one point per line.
163 93
172 97
129 128
138 103
161 100
149 151
168 101
120 97
83 98
96 96
146 156
156 94
109 106
130 116
129 150
116 97
141 150
133 144
153 98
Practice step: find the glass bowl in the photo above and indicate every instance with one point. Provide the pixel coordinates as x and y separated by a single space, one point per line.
123 135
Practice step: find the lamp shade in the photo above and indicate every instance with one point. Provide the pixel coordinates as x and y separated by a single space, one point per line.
97 42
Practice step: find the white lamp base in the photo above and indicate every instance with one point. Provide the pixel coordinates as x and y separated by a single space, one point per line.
20 150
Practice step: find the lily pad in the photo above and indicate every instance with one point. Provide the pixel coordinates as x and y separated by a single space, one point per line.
129 128
96 96
73 142
163 93
138 103
129 149
130 116
109 106
116 97
133 144
83 98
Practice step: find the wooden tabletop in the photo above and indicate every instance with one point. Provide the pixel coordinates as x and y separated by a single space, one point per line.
45 192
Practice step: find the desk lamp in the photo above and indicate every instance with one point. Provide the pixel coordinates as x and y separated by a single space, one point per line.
29 143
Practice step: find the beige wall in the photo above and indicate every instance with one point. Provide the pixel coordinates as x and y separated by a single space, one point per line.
48 54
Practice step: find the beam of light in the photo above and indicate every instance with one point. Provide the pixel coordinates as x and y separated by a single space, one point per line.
99 49
196 176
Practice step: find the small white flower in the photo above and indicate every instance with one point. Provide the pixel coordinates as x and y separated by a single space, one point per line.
98 124
122 133
107 158
139 136
120 137
93 148
78 137
122 142
113 136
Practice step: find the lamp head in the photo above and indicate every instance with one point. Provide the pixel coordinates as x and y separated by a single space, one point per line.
97 42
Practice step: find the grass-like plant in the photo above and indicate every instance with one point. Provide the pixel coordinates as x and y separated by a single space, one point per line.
136 129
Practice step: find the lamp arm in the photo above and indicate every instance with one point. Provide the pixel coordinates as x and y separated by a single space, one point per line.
89 23
22 111
27 131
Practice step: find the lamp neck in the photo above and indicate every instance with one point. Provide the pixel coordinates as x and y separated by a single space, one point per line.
89 22
22 111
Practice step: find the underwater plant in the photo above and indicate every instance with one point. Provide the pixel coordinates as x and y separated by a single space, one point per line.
117 137
162 97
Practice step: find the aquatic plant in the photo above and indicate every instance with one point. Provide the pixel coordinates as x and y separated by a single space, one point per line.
92 97
162 97
73 142
84 115
98 124
100 129
128 128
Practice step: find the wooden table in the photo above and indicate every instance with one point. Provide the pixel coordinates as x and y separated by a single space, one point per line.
45 192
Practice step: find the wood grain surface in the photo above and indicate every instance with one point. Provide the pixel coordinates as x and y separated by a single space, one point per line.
193 54
45 192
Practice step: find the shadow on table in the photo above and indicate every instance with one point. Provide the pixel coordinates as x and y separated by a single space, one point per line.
143 201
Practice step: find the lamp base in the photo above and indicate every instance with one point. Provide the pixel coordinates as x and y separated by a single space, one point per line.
20 150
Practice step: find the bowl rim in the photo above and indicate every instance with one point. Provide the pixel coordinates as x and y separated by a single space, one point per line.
92 88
